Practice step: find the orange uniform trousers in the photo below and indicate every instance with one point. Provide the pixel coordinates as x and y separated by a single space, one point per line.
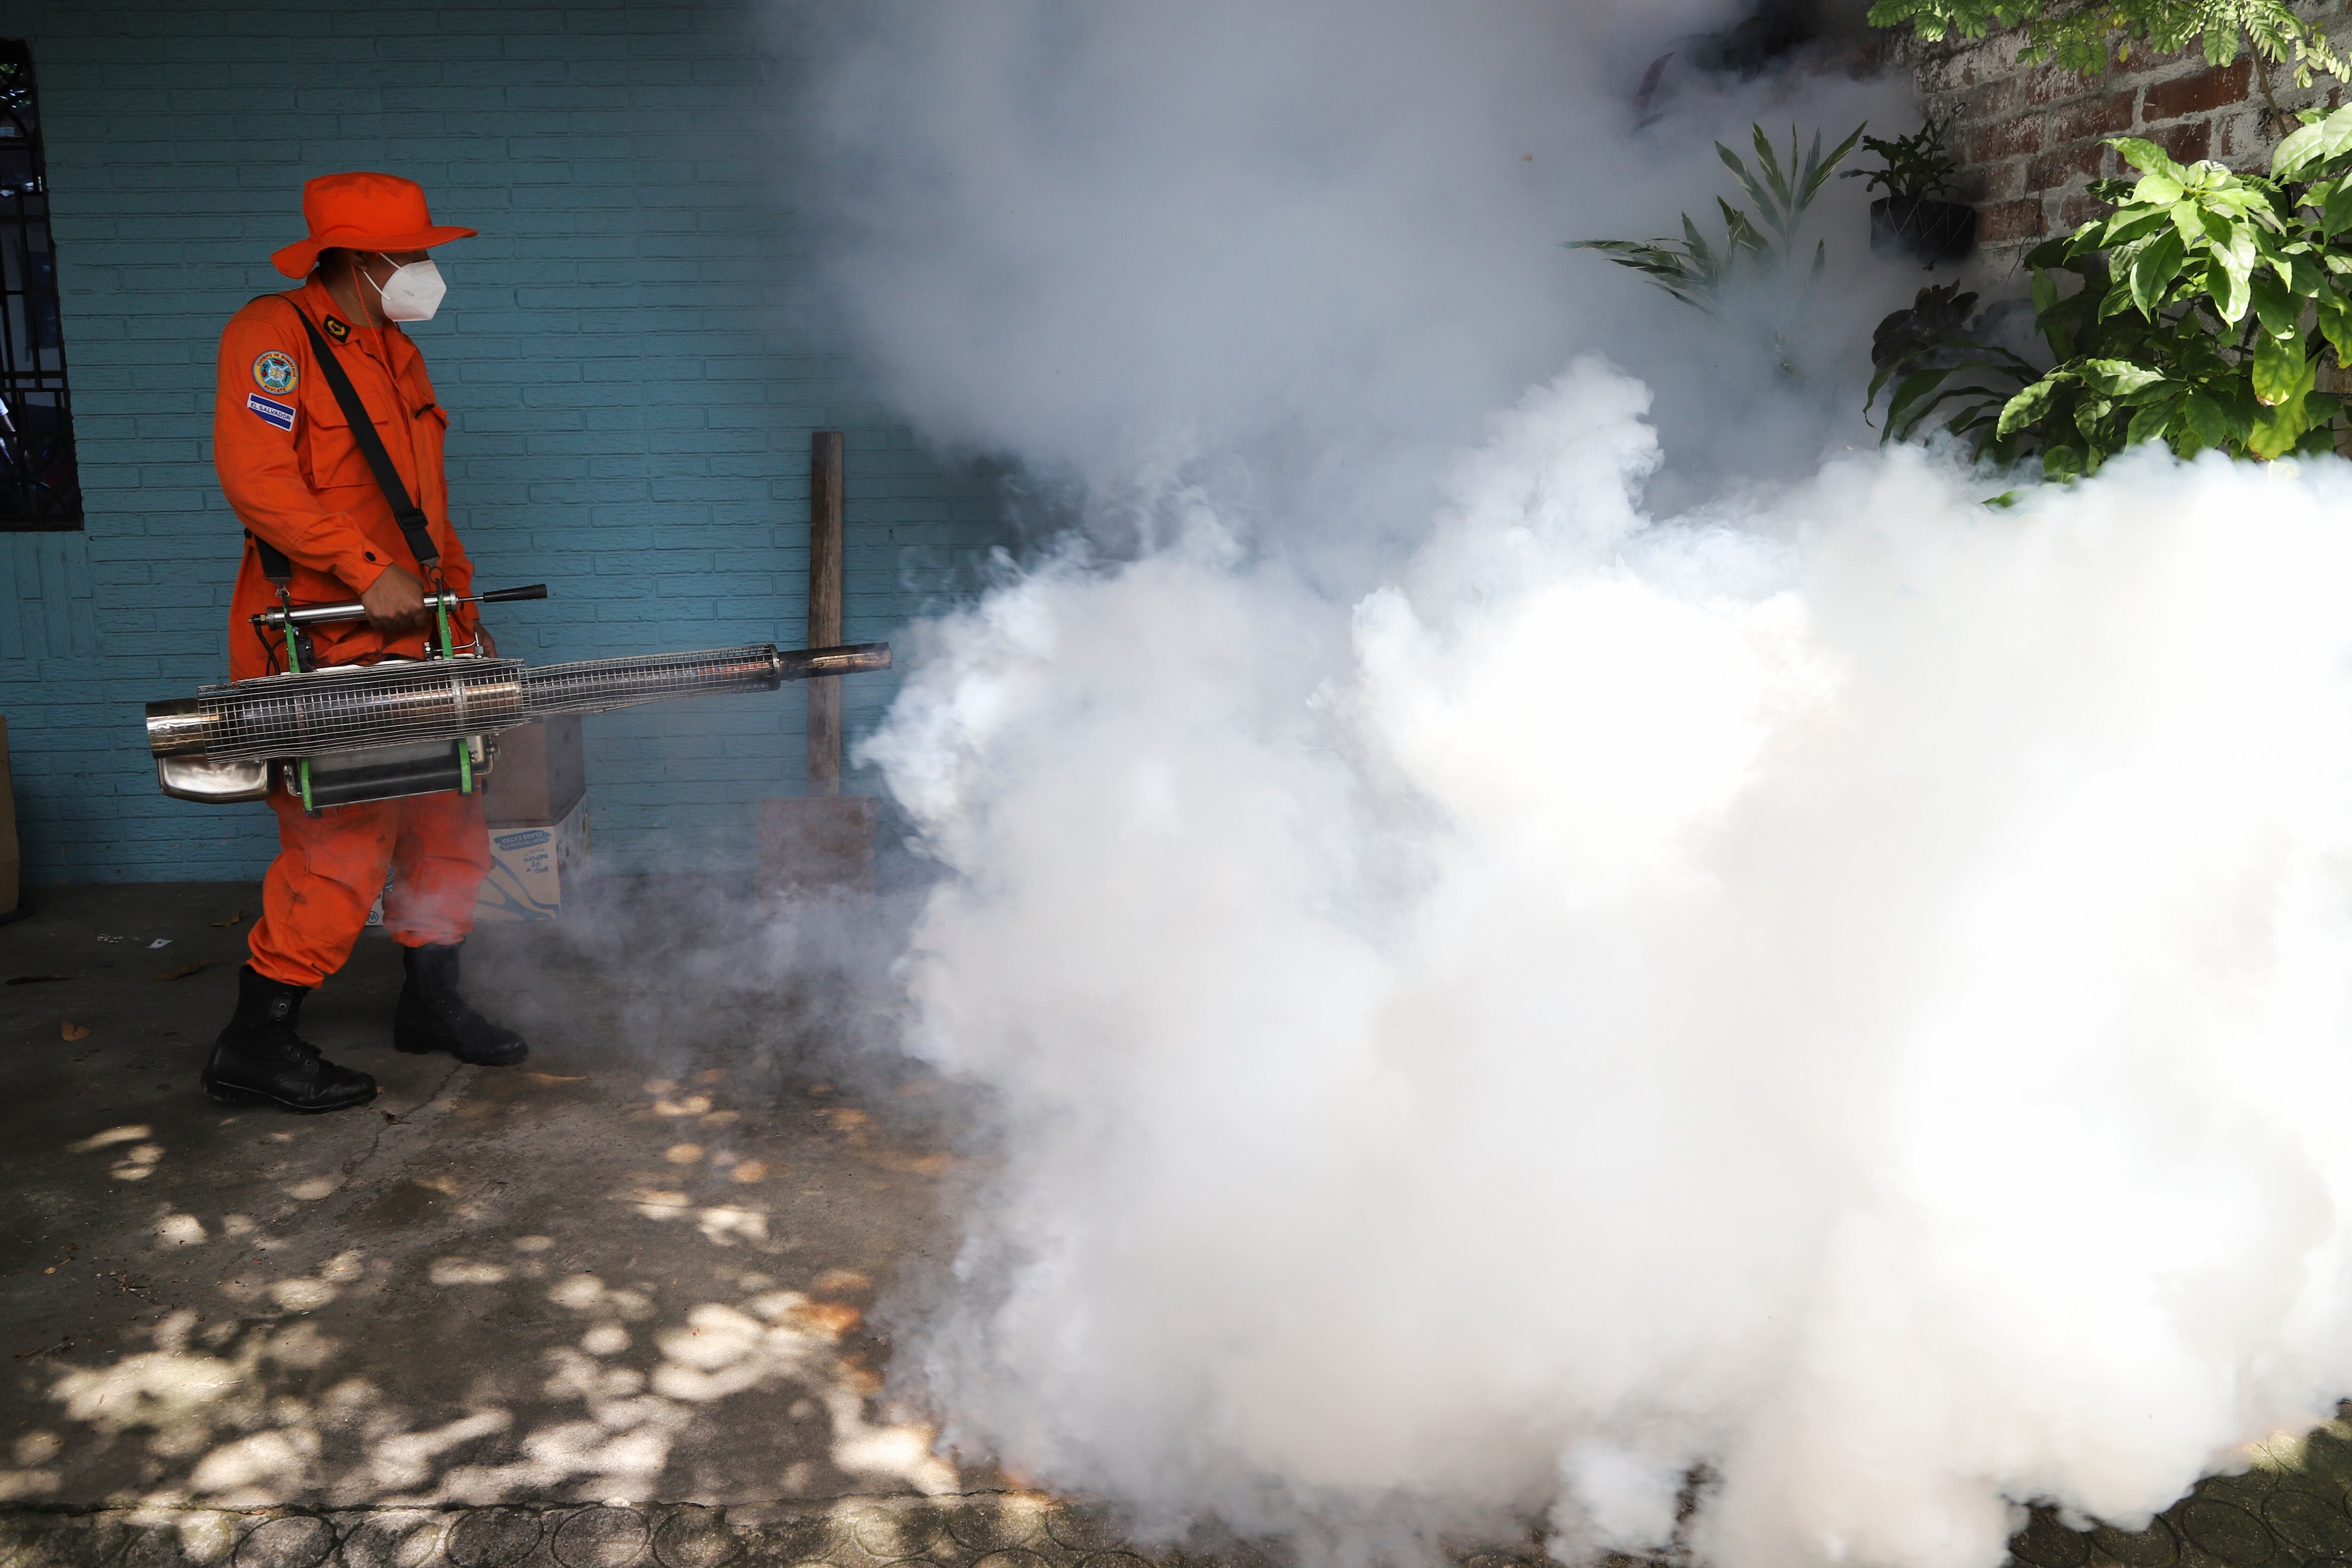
330 868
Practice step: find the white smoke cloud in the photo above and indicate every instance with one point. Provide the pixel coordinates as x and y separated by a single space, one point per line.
1855 1001
1292 254
1511 970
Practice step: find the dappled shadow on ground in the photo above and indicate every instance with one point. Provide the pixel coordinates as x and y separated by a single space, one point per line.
638 1268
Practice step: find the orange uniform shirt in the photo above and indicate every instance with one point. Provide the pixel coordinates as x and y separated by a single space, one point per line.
295 476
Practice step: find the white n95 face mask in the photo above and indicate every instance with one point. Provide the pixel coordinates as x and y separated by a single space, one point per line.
412 292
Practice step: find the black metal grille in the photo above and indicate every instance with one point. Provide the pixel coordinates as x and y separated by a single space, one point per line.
40 484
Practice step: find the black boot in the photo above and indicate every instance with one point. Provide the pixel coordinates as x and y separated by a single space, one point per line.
432 1016
258 1060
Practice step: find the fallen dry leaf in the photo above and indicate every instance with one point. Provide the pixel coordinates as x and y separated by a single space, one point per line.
830 1319
556 1078
69 1029
228 920
182 971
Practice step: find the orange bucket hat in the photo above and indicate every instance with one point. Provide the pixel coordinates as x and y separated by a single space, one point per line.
362 211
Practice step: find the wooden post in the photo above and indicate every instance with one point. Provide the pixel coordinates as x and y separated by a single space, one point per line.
824 609
820 841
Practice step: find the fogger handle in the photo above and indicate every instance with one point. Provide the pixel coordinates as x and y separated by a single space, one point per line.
352 610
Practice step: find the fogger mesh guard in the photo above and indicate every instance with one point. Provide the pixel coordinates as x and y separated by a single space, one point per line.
351 709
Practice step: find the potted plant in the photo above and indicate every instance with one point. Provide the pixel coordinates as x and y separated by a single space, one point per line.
1910 222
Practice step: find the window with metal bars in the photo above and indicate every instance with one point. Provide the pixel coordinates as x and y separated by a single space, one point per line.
40 484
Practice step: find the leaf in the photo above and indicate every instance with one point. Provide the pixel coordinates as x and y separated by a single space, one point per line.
239 916
2049 253
69 1029
2119 378
2226 280
2045 292
182 971
2201 414
2277 309
2152 422
2336 326
2154 270
2090 414
2336 216
2282 373
2314 143
2032 405
2133 223
2155 190
1757 192
2276 433
1837 155
2149 159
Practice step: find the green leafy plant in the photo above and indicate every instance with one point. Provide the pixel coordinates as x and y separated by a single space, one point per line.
2087 35
1914 167
1937 363
1759 250
2201 313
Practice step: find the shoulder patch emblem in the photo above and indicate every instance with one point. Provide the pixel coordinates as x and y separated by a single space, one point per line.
337 330
276 372
270 410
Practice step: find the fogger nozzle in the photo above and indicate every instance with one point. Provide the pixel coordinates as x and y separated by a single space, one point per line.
353 707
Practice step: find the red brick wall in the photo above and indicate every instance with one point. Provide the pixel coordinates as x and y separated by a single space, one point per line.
2028 138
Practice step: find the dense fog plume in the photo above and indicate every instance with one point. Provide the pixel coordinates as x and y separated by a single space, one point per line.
1292 255
1853 995
1525 944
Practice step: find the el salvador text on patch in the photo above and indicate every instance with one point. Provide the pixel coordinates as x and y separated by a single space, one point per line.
281 414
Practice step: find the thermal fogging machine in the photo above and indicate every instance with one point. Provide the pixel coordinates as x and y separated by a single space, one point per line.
351 733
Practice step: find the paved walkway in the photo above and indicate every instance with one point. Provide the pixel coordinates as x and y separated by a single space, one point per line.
607 1310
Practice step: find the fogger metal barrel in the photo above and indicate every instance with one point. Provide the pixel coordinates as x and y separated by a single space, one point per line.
216 746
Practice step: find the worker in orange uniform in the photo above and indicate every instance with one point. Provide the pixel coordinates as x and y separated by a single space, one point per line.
321 521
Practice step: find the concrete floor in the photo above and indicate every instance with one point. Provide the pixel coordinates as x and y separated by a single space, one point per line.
634 1270
608 1310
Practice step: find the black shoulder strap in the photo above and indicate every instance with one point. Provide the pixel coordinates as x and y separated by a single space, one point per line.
405 511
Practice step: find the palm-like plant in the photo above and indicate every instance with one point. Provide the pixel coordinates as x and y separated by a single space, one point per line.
1757 249
1697 273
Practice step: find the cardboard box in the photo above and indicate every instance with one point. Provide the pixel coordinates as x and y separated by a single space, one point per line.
541 773
534 867
12 860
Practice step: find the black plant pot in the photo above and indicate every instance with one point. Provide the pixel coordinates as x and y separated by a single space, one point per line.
1914 228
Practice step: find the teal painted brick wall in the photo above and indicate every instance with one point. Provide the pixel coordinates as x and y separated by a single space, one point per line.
632 396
